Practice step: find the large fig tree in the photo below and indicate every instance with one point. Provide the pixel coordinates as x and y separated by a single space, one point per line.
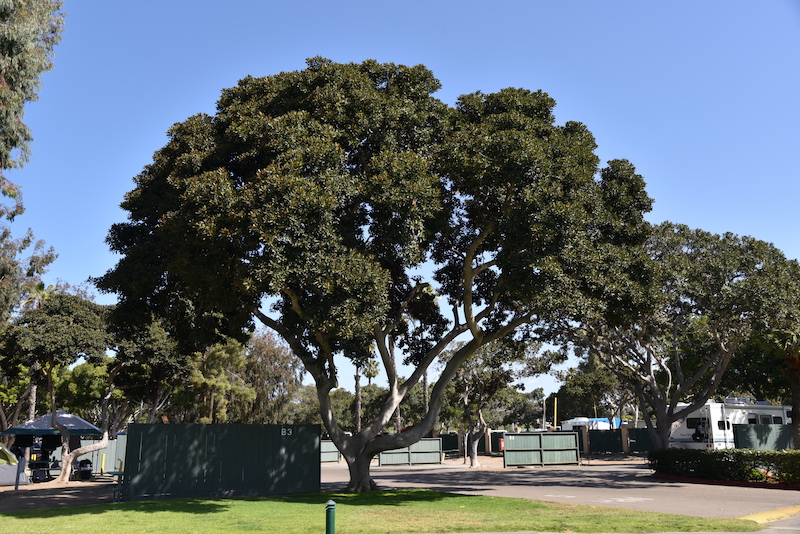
357 216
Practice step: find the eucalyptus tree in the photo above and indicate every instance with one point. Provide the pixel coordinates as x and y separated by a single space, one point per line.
312 199
274 374
29 32
706 296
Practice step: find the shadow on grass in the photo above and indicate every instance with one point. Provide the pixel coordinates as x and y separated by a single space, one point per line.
213 506
178 506
397 497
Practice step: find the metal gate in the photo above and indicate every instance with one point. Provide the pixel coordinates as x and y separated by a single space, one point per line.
541 448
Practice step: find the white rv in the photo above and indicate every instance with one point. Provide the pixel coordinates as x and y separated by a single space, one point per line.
711 427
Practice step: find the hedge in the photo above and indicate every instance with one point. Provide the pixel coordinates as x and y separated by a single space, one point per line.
730 465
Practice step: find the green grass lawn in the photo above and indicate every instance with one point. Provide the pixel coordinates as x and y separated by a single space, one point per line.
401 511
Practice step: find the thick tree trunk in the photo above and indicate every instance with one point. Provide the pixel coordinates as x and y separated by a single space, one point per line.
358 450
66 462
473 440
32 402
666 423
360 478
661 430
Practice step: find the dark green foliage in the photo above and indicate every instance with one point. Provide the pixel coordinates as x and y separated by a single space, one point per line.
737 465
591 390
151 367
61 330
758 371
334 145
522 409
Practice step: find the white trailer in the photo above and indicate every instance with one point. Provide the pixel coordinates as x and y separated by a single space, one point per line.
711 426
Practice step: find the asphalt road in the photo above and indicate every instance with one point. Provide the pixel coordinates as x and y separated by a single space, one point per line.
617 484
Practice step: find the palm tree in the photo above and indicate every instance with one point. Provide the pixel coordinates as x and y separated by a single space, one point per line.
36 294
371 370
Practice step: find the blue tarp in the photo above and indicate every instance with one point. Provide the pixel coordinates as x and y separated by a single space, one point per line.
41 426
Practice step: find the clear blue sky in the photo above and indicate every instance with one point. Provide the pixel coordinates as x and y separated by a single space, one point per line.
703 97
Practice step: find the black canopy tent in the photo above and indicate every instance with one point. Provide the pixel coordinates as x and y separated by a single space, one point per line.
41 426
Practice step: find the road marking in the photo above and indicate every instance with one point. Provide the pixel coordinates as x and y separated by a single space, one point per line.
778 514
561 496
622 500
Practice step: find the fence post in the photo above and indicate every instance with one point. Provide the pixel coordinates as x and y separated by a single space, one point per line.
587 444
330 517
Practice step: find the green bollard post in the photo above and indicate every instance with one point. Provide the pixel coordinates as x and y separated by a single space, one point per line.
330 517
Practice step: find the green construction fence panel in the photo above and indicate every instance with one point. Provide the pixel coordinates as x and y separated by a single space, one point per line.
601 441
212 461
640 440
541 449
763 437
108 459
425 451
328 452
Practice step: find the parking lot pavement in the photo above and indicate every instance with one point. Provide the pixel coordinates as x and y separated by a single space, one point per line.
618 484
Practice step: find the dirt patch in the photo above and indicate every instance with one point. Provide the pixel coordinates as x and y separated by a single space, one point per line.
55 495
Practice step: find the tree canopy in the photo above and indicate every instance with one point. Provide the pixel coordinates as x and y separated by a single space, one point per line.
706 295
350 211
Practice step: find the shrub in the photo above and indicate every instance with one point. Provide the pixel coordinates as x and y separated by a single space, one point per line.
735 465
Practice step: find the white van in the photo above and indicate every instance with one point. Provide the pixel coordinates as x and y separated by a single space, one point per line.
711 427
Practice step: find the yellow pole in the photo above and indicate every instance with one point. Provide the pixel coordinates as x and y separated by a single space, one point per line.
102 464
555 412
